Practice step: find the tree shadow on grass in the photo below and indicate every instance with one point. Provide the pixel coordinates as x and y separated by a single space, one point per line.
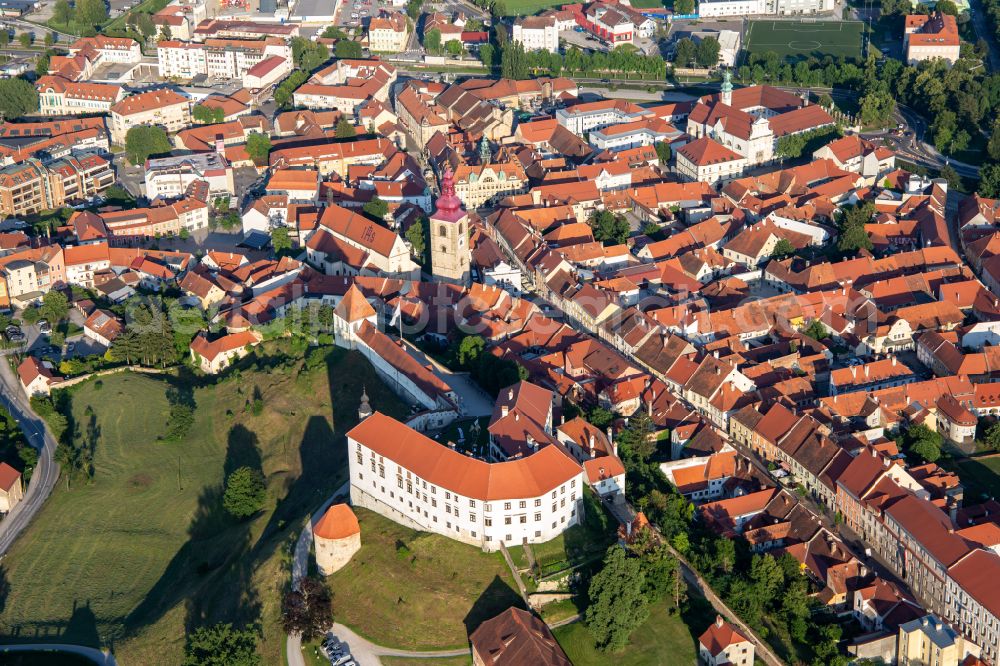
242 450
218 549
496 598
697 614
323 459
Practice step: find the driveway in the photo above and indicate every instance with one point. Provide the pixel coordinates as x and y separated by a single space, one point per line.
473 401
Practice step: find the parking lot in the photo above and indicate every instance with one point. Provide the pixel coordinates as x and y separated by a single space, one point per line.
337 651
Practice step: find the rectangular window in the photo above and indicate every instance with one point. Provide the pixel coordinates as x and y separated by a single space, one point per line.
472 504
522 504
361 458
524 519
538 517
506 521
488 522
538 502
472 517
506 506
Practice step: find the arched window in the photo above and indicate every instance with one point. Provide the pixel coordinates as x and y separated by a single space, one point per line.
444 249
442 232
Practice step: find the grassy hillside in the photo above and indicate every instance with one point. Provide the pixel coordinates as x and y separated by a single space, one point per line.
144 550
417 590
662 634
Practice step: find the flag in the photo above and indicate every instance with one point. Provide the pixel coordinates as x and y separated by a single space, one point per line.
396 313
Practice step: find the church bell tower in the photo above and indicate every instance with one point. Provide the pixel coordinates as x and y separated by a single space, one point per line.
450 253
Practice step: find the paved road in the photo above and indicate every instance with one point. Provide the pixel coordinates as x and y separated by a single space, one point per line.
98 657
46 472
982 27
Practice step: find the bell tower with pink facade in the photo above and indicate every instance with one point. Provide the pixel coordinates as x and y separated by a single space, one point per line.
450 254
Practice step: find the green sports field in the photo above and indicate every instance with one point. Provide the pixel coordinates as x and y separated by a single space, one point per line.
797 39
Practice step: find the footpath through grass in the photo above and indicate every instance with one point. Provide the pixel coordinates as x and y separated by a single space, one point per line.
416 590
144 551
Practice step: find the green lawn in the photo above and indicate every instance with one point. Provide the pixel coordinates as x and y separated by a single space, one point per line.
661 635
577 545
144 551
561 610
528 7
795 40
980 476
417 590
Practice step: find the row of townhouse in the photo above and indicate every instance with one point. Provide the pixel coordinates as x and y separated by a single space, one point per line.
35 185
941 562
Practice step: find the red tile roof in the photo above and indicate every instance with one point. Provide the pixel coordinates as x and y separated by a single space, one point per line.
527 477
337 523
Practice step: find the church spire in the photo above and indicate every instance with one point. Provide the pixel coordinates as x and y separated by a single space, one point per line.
364 409
449 206
727 88
485 155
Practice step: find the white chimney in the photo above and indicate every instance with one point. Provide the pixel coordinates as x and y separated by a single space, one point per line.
504 410
590 443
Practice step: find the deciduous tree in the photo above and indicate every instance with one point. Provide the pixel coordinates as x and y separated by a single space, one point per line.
258 147
142 141
618 604
308 610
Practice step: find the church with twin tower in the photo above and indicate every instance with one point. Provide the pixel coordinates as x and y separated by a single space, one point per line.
449 230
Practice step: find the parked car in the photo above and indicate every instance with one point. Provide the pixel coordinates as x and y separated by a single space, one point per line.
341 661
44 326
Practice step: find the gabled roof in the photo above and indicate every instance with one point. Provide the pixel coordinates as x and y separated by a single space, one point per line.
719 636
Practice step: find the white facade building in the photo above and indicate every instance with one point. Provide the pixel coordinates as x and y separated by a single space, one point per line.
537 33
170 177
581 118
715 8
403 475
